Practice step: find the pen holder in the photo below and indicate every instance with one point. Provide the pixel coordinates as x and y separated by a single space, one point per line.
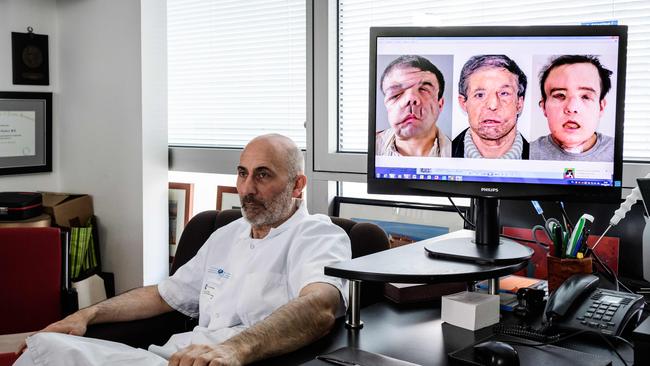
559 269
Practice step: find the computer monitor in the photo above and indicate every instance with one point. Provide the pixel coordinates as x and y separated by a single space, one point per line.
496 112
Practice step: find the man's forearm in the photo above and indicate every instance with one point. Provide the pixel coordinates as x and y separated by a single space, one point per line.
138 303
292 326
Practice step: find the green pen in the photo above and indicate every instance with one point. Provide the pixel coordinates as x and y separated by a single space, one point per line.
574 240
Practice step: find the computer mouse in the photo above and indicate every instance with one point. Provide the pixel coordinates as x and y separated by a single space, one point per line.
495 353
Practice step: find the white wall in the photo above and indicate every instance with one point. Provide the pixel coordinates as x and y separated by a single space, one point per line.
110 131
16 16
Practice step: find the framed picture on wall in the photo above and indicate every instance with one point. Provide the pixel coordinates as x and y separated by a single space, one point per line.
25 132
30 59
404 223
181 196
227 198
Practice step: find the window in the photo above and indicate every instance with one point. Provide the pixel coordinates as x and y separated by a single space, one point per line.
355 17
236 69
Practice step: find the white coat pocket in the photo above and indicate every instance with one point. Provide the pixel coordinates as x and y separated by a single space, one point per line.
261 294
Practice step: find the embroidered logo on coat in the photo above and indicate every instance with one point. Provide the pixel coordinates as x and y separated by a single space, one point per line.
219 272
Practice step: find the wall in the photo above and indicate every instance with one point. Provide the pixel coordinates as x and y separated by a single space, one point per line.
16 16
110 130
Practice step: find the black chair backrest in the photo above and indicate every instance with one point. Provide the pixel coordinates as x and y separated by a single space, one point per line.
366 238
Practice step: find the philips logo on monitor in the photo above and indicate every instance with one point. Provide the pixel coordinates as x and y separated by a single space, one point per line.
490 190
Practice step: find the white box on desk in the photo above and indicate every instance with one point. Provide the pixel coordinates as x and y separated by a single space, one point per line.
470 310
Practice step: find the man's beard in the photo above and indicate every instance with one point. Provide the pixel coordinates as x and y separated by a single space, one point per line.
260 213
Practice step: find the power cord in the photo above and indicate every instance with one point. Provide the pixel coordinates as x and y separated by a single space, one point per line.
469 223
472 226
558 339
525 331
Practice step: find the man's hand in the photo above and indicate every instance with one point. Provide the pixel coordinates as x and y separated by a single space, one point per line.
202 354
74 324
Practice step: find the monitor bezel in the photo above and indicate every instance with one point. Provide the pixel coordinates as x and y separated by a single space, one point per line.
574 193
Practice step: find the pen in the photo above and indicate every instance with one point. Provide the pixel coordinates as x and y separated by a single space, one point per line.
539 209
567 221
574 240
576 248
583 242
558 242
336 361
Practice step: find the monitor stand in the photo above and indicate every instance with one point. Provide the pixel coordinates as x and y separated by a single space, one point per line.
486 247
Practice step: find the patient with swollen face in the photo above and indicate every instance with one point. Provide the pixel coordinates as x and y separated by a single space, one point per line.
573 91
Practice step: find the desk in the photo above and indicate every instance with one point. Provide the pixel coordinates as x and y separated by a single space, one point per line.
412 333
411 264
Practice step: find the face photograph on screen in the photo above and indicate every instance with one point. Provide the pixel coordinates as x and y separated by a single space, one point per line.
573 118
412 116
491 92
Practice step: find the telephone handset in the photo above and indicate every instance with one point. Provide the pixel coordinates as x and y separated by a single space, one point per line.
578 304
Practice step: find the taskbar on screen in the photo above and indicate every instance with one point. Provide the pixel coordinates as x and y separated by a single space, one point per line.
490 176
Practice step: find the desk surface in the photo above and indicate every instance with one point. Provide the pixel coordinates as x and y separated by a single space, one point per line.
412 333
411 264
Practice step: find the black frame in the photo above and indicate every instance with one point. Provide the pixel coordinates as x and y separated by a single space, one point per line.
498 190
30 59
42 161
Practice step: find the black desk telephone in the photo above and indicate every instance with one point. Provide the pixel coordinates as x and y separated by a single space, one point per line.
580 305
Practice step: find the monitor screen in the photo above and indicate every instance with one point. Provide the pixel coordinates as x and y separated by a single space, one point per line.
503 112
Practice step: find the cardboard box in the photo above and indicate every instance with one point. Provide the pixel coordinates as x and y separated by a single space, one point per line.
470 310
68 210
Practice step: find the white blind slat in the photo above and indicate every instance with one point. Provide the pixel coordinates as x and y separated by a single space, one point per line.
236 69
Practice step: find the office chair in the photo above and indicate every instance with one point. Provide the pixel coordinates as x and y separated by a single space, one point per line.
366 238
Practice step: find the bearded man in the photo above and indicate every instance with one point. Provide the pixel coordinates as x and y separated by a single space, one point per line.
257 284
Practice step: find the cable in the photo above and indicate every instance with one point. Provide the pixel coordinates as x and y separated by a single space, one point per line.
525 332
471 224
524 240
611 346
630 344
609 271
557 339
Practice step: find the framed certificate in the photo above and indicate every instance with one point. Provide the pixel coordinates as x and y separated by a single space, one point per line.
181 199
227 198
25 132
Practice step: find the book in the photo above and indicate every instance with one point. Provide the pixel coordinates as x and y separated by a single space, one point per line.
508 287
512 283
404 293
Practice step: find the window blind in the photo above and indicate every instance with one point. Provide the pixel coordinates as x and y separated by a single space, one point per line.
236 69
356 16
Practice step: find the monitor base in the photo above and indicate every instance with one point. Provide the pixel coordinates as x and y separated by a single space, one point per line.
465 249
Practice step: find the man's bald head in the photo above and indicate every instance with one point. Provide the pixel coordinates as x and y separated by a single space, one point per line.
283 149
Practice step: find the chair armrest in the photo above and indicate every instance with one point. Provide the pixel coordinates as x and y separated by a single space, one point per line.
141 333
